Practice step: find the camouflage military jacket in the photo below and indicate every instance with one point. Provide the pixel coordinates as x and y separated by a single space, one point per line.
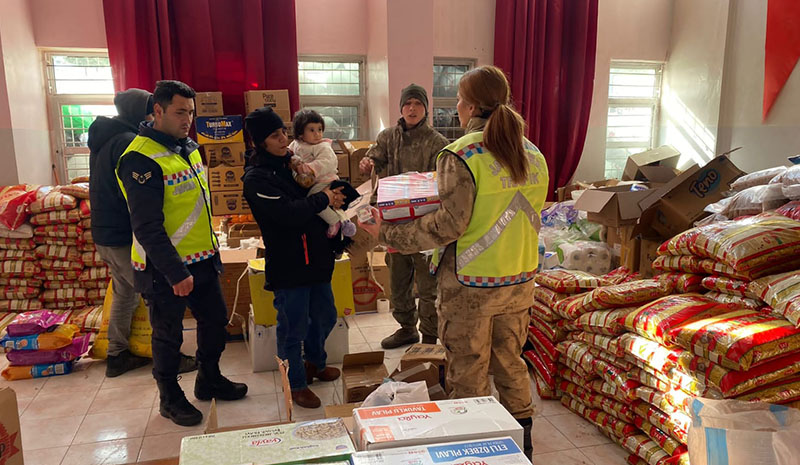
398 151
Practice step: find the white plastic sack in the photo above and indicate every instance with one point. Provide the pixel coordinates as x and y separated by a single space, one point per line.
732 432
393 393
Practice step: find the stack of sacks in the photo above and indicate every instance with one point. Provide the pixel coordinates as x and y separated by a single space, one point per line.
20 285
600 383
726 256
73 274
758 192
40 344
548 328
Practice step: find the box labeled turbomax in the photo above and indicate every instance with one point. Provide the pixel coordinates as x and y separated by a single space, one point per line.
219 129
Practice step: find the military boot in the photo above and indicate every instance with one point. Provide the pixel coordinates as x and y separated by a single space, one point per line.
527 426
175 407
402 337
211 384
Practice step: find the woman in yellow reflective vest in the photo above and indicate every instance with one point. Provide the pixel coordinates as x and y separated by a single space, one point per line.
492 187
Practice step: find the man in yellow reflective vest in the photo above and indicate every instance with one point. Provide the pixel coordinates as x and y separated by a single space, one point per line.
175 252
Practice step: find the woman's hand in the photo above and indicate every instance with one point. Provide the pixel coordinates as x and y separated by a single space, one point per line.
373 229
365 165
335 196
303 168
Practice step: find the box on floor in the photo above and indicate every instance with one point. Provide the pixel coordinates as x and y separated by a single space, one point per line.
370 280
235 263
434 422
361 374
10 436
500 451
426 353
263 344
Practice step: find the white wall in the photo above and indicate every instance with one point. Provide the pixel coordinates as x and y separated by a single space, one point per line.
626 30
765 143
692 85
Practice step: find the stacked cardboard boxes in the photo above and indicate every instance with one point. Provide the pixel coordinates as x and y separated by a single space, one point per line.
277 99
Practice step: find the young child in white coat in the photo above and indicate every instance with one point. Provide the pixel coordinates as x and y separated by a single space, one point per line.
318 158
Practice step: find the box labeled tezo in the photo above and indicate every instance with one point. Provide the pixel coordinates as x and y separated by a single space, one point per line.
232 154
219 129
500 451
423 423
277 99
407 196
229 203
225 178
208 104
320 441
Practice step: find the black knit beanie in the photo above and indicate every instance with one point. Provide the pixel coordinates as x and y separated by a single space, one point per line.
414 91
261 123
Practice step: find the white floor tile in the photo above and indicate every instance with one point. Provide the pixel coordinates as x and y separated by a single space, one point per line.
104 453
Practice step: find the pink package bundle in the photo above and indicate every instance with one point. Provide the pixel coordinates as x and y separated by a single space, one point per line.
407 196
34 322
69 353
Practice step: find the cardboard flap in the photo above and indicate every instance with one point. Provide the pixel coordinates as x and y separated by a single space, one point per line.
665 156
656 194
426 372
659 174
341 411
362 358
594 200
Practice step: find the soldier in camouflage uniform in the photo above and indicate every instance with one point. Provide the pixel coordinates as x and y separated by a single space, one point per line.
483 329
411 145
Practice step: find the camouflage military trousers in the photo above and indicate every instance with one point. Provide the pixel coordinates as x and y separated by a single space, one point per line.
404 270
491 345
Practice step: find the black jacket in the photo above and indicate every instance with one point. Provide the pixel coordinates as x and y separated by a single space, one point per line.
146 201
298 251
108 139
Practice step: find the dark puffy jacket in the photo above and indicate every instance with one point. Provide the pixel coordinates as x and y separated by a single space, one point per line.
298 251
108 139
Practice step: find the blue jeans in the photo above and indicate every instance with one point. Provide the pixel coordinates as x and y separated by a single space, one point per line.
306 316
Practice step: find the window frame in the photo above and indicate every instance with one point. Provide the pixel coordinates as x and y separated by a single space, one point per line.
623 102
448 102
359 101
55 101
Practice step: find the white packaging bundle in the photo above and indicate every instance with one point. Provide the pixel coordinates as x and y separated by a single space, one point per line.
501 451
591 257
732 432
758 178
434 422
790 179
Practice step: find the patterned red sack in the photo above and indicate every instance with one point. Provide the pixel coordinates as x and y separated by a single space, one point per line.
79 179
566 373
46 240
668 402
95 273
598 417
59 231
572 307
61 265
735 300
591 399
18 293
77 190
618 276
780 392
547 297
656 320
791 210
578 352
87 237
56 217
53 201
618 362
17 244
58 295
541 343
14 203
544 391
669 444
15 255
683 283
540 368
63 284
676 424
85 209
98 284
727 286
608 322
555 332
606 343
20 305
651 452
92 259
569 282
19 269
782 293
24 282
58 252
85 223
49 275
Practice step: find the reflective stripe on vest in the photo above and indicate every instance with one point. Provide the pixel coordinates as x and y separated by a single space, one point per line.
500 245
187 219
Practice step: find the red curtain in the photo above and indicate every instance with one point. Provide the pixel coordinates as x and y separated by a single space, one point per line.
212 45
547 49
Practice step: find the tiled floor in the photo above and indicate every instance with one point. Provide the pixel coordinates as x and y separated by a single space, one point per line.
84 418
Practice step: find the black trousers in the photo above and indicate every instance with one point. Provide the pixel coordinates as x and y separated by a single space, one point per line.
166 317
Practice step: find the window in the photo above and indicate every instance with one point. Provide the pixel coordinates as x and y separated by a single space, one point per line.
446 74
79 88
634 91
334 87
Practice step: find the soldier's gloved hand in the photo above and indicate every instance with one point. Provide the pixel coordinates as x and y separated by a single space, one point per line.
184 288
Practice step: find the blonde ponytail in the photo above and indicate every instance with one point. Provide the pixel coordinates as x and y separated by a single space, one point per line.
504 137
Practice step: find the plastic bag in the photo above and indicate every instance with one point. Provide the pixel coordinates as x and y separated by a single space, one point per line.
743 433
749 201
14 203
34 322
591 257
782 293
569 281
790 180
56 338
394 393
560 215
139 342
757 178
13 373
69 353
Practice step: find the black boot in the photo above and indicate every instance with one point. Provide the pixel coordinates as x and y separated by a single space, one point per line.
211 384
124 362
175 406
527 426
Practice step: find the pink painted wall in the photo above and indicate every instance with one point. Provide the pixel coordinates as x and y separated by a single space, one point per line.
626 30
464 29
377 67
73 23
8 175
410 49
332 27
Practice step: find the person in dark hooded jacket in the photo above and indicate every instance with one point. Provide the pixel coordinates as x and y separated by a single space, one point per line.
111 223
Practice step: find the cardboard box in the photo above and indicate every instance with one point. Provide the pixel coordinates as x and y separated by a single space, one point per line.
239 231
426 372
208 104
612 206
566 193
263 344
648 253
228 154
407 196
229 203
254 99
424 423
366 290
658 165
225 178
500 451
426 353
286 116
344 165
356 177
679 203
234 264
219 129
264 310
11 438
361 374
308 442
